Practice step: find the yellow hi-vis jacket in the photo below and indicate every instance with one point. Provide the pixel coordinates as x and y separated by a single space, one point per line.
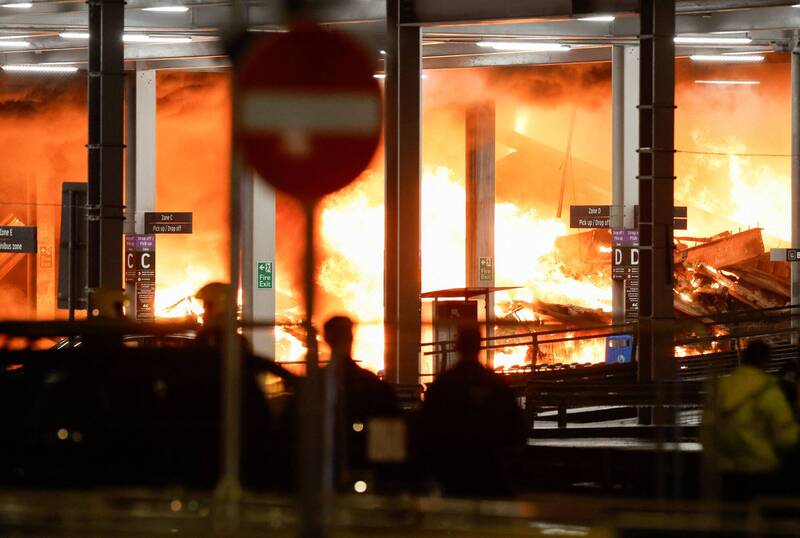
748 423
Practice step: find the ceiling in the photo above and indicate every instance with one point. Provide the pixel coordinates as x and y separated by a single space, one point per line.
451 28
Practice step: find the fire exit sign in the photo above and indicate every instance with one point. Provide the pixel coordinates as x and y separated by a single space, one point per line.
264 275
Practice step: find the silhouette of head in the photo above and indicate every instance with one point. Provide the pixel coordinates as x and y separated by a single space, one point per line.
338 332
756 354
215 301
468 341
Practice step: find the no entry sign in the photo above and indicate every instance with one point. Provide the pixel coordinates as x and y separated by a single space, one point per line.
309 110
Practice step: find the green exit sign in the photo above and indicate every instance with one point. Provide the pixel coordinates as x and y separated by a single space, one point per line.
264 274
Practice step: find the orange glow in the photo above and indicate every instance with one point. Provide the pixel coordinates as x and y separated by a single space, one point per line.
534 107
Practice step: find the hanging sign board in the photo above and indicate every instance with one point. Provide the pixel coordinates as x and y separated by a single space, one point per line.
18 239
168 223
589 216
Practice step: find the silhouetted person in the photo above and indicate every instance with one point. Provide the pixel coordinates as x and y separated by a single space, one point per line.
360 396
747 427
265 456
471 428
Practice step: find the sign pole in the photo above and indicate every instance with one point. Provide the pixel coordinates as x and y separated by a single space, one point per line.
313 466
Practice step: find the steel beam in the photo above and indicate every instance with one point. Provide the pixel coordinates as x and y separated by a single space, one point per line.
403 268
593 54
656 187
105 147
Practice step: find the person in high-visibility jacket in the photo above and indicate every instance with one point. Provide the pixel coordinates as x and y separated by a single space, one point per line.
747 425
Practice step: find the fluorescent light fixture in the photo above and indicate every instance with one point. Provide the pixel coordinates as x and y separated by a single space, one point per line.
167 9
523 46
18 5
143 38
706 40
729 82
7 44
382 76
169 39
135 38
74 35
39 68
598 18
752 58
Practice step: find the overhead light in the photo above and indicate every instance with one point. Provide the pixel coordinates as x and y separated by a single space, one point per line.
143 38
167 9
5 43
742 59
523 46
598 18
729 82
382 76
383 52
135 38
18 5
74 35
688 40
39 68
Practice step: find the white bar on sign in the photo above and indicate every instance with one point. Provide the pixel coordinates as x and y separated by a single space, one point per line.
777 254
278 112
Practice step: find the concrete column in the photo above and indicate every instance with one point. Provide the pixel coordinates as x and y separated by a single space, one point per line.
403 173
795 193
631 136
480 196
140 156
617 167
140 145
258 254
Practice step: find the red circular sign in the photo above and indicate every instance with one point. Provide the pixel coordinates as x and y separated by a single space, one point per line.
309 110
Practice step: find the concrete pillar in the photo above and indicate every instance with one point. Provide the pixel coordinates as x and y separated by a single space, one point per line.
403 267
631 136
258 261
140 145
480 197
140 156
795 192
617 167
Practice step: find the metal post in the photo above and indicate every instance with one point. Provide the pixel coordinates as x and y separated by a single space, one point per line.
795 193
480 196
617 167
106 105
656 187
403 171
390 136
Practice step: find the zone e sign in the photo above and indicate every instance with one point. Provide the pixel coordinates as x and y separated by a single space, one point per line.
308 110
